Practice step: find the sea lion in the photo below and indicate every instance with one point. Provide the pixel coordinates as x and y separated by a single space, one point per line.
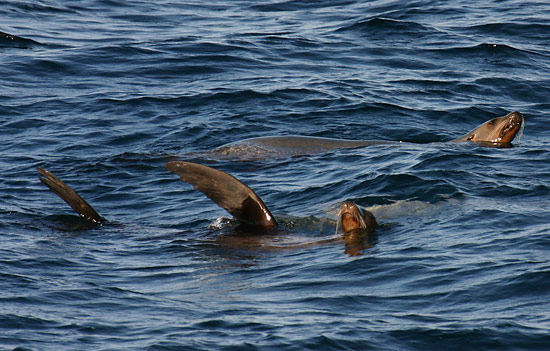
225 190
497 132
246 206
354 218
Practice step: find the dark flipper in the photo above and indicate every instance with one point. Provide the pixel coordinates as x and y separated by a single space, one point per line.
70 196
225 190
9 40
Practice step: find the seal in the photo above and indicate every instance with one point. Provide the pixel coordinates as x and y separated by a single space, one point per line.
246 206
225 190
290 145
70 196
497 132
355 218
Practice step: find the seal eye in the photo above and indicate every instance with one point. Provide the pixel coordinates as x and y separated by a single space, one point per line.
491 122
471 137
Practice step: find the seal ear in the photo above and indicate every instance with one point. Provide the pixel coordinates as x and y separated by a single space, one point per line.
70 196
226 191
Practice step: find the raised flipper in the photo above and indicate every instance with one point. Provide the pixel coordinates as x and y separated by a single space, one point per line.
70 196
226 191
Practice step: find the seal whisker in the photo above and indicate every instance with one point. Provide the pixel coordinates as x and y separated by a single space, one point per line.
338 220
519 134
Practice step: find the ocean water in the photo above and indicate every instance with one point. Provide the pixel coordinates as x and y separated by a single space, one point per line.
104 93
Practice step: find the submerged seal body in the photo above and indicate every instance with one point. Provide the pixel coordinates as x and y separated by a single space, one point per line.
497 132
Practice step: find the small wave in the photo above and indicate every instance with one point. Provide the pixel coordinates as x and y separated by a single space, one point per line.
404 208
533 31
37 7
519 135
296 5
12 321
387 27
388 24
482 49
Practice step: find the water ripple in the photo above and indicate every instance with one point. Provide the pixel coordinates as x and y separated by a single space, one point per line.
104 93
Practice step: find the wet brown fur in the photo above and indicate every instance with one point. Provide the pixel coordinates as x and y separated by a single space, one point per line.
352 217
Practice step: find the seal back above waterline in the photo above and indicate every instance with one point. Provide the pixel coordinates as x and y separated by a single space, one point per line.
226 191
289 145
312 143
497 132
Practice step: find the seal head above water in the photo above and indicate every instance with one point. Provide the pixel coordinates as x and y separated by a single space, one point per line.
353 218
498 131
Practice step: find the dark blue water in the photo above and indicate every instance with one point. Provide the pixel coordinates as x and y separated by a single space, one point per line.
104 93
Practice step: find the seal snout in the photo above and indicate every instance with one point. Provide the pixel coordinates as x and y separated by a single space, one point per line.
515 118
352 217
514 122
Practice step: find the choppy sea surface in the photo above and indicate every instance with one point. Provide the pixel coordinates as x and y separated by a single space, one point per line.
104 93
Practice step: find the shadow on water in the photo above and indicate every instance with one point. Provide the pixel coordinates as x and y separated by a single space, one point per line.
69 223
